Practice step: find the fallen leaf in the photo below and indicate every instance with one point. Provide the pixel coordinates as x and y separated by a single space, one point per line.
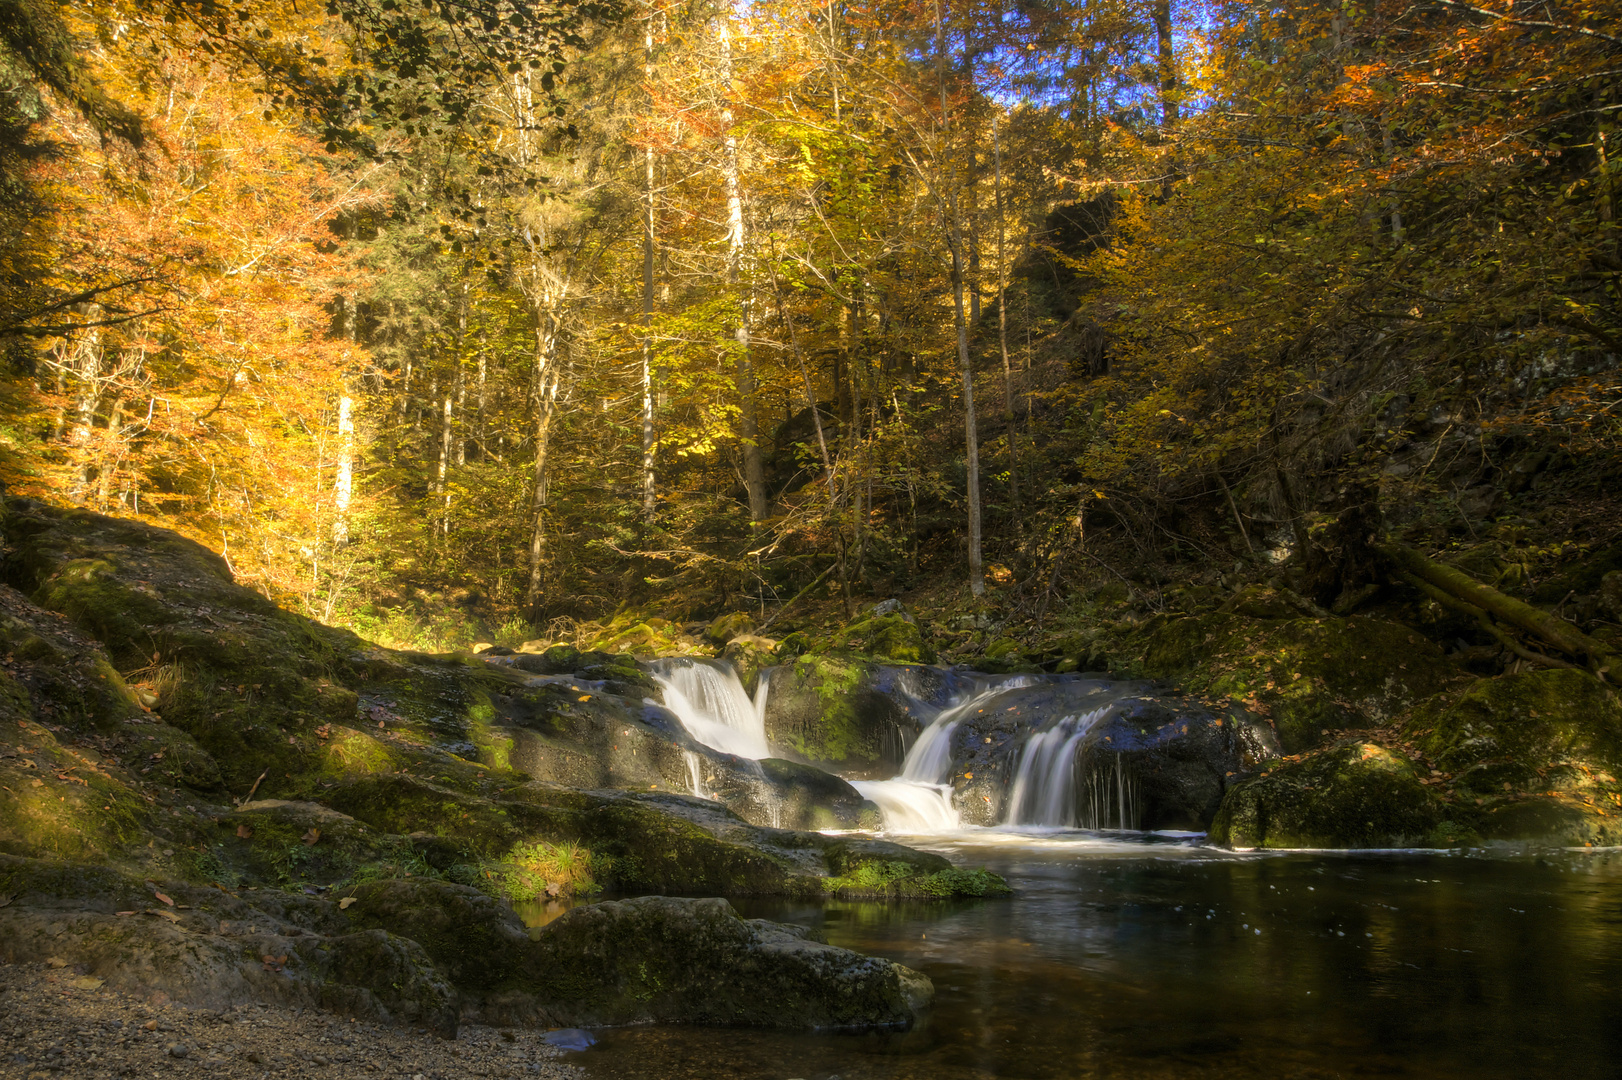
86 982
585 697
311 837
57 962
123 913
244 833
164 898
343 905
171 916
553 888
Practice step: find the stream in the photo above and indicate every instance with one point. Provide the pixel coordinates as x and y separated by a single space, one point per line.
1154 958
1145 955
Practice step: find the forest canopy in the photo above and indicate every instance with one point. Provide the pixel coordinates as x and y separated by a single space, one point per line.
573 306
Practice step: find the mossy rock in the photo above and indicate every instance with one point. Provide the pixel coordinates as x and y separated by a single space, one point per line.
658 958
1357 795
1536 755
1311 678
892 638
829 711
749 656
726 627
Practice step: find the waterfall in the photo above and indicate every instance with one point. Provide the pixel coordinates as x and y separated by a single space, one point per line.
910 807
920 799
1051 786
711 704
1110 788
695 775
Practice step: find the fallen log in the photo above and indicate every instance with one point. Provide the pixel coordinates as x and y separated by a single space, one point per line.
1458 590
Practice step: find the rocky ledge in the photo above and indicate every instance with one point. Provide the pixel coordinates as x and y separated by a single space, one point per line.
208 798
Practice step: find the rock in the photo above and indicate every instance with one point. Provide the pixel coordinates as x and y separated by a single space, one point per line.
1610 595
179 1050
726 627
808 798
1535 755
1311 678
846 715
892 607
665 959
749 656
895 638
1177 756
1356 795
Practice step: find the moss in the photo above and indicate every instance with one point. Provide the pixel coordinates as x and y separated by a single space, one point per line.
886 637
901 880
1358 795
1311 678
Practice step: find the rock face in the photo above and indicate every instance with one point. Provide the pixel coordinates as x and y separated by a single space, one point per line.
1525 758
1169 758
850 715
434 953
656 958
382 777
1358 795
1312 678
583 732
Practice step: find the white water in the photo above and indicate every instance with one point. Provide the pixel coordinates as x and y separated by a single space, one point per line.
1045 784
711 704
695 775
910 807
920 799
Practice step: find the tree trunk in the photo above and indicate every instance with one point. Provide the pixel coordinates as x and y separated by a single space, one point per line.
649 491
1002 328
954 242
754 477
544 389
1461 591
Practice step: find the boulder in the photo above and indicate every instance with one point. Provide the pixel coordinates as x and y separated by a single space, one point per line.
1168 758
1531 756
1355 795
1311 678
847 715
664 959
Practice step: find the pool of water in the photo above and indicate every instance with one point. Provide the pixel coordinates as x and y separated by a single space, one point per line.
1157 957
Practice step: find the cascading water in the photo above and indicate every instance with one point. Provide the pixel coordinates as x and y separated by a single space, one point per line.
1045 787
712 705
1055 783
920 799
695 776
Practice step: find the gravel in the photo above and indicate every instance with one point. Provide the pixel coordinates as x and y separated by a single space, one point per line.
55 1026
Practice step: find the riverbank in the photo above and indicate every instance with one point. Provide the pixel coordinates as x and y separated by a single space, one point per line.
59 1021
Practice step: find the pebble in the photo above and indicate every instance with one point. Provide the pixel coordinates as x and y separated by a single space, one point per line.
179 1050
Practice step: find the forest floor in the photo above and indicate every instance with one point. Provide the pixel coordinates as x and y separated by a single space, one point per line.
56 1023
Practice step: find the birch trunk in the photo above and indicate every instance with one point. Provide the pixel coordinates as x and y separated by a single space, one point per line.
754 478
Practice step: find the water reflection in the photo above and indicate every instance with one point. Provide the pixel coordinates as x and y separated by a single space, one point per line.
1170 960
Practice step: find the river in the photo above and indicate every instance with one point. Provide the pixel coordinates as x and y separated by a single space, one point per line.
1156 957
